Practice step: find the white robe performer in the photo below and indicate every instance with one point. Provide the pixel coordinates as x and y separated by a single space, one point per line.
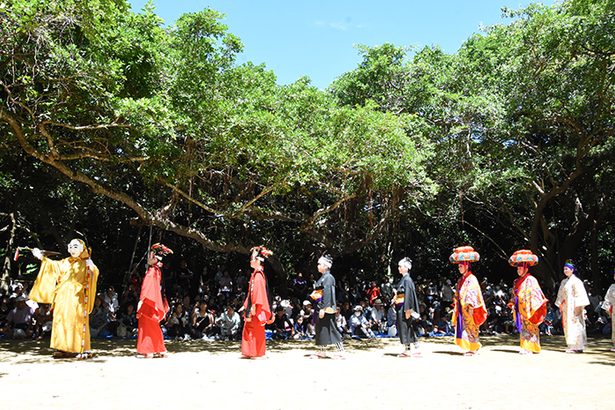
571 300
609 306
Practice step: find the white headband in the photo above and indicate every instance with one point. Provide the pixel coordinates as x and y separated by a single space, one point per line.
325 260
407 262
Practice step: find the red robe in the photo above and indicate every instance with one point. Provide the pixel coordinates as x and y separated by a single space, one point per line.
151 311
253 337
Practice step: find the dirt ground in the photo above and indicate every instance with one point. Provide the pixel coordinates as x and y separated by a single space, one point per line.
211 375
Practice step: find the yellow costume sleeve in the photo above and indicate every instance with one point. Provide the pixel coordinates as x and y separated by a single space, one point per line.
92 290
44 287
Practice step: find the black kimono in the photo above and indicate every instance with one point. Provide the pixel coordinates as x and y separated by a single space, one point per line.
405 327
326 329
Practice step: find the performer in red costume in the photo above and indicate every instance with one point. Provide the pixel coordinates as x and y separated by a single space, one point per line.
152 307
257 311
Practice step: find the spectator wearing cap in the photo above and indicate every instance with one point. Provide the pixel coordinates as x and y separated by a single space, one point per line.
307 313
359 325
19 321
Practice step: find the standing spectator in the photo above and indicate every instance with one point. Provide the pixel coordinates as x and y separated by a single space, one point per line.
571 300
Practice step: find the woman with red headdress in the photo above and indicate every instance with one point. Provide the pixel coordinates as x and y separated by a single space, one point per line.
152 308
470 311
257 312
529 304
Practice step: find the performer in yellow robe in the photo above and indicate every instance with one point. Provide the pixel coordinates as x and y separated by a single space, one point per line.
69 285
470 311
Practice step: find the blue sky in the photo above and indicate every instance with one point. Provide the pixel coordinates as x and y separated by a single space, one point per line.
316 38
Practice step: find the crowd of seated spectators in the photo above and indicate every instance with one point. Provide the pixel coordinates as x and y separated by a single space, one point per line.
209 307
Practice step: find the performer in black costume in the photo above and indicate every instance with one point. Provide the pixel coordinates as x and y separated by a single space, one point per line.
324 297
407 307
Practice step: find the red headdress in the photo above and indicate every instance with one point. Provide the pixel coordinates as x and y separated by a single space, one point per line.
464 254
523 256
160 250
261 252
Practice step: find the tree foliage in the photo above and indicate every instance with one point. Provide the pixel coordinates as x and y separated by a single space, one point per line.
506 143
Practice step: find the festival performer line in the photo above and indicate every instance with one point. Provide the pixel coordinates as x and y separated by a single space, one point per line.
529 305
152 307
256 308
407 308
324 297
571 300
608 305
69 285
470 311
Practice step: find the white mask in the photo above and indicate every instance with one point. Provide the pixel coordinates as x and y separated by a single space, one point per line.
75 248
357 313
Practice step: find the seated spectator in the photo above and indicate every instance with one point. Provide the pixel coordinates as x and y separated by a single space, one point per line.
99 319
340 321
5 308
391 321
177 324
128 323
43 319
378 317
229 323
110 302
308 318
19 321
359 326
203 322
282 327
300 329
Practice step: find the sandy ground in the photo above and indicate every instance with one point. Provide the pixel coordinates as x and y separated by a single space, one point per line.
211 375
